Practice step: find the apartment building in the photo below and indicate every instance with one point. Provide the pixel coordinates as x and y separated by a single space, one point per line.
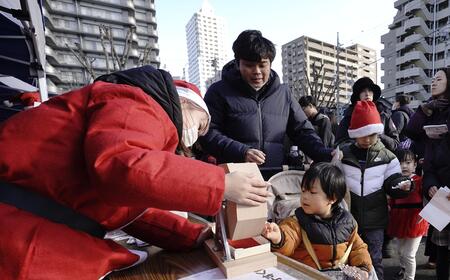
417 43
205 35
71 22
300 56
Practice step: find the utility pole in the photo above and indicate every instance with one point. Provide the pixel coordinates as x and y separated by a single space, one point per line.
434 38
336 98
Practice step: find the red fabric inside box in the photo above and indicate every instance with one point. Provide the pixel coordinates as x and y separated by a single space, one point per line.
243 243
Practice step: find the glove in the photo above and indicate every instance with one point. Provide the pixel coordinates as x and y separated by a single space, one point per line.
433 105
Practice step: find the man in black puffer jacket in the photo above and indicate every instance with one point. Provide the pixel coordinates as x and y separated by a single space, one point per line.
251 111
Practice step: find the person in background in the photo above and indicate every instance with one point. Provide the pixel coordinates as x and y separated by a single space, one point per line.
436 166
320 122
405 223
251 111
365 89
101 158
401 113
321 223
371 173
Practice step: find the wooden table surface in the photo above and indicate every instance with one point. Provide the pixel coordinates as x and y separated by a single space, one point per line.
164 265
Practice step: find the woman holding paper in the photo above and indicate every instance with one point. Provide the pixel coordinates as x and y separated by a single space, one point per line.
430 117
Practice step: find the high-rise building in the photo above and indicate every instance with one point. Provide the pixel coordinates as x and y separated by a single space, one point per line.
302 55
70 23
416 44
205 35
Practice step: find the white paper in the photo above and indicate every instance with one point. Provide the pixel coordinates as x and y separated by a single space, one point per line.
262 274
335 160
437 211
435 131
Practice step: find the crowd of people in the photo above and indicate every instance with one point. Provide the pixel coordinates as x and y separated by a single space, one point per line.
120 153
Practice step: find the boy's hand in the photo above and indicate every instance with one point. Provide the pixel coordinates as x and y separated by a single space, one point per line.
272 232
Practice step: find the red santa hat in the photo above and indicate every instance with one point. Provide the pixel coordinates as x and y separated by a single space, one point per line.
365 120
191 93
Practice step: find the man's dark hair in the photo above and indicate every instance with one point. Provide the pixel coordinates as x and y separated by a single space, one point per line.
330 177
252 46
307 100
402 99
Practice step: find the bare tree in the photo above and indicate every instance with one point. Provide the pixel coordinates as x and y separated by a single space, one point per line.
107 38
84 60
144 57
113 60
317 86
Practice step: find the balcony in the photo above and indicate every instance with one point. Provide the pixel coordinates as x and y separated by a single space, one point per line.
52 73
417 57
398 3
417 24
418 8
411 73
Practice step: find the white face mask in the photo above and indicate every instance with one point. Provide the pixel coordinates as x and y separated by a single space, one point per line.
190 135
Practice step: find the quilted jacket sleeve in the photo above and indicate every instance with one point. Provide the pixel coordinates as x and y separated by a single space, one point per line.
215 141
359 255
292 237
165 230
129 151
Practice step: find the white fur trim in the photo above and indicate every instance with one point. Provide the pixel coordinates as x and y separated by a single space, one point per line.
366 130
192 96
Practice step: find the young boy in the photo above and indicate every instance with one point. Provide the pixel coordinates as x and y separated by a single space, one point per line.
321 224
371 172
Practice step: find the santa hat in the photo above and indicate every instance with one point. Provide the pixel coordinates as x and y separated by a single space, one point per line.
365 120
193 94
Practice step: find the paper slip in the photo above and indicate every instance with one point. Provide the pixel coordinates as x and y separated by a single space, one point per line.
335 160
262 274
437 211
435 131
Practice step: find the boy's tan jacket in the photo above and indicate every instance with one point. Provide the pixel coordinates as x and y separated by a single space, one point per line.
294 247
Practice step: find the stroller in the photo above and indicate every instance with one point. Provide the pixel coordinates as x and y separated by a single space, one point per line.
285 187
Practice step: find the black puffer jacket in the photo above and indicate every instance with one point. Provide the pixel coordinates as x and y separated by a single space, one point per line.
401 117
242 118
334 231
437 151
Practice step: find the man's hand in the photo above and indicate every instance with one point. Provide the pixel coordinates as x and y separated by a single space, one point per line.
245 189
272 232
432 191
255 155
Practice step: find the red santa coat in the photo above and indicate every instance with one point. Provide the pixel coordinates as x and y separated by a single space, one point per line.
404 219
106 151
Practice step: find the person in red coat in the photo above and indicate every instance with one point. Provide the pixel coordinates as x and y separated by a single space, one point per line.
405 223
101 158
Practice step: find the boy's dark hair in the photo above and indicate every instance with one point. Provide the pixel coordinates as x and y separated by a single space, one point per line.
402 99
331 179
405 154
307 100
252 46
